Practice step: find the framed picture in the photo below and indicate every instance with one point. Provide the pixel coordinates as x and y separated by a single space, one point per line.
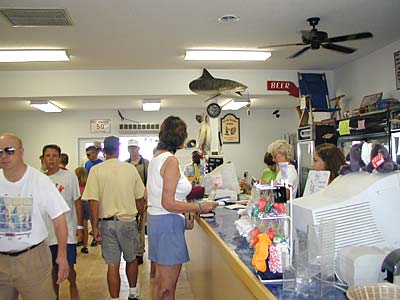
230 127
397 68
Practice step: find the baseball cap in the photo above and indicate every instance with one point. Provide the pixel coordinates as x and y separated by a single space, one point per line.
97 144
111 142
133 143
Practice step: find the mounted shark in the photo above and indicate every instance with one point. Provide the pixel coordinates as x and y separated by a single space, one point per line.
214 87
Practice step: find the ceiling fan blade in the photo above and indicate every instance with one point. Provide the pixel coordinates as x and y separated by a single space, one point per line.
300 52
350 37
282 45
338 48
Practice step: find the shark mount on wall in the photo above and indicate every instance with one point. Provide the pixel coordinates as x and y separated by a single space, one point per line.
214 87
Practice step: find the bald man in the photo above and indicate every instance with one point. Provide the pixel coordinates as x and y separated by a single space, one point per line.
27 199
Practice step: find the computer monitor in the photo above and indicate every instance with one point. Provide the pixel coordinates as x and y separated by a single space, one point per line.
364 206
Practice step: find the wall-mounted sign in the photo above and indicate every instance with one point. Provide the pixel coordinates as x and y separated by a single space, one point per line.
279 85
103 126
397 68
230 127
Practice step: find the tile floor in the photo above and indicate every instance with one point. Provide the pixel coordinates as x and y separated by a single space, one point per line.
92 283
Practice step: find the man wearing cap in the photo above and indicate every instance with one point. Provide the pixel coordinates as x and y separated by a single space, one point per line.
92 153
27 199
110 189
141 165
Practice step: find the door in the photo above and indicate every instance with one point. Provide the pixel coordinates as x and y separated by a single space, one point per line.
305 152
146 144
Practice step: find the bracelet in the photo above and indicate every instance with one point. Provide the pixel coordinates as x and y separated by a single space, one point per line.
80 227
200 209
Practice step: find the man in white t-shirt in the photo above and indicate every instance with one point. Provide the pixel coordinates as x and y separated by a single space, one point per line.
67 184
27 199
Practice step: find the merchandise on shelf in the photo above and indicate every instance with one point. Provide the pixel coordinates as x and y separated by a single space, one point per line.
271 233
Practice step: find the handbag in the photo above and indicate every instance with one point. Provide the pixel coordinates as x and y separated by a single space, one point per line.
189 220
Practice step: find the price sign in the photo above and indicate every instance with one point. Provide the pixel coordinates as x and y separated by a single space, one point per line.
100 126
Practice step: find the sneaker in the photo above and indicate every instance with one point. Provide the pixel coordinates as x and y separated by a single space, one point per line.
139 259
79 244
85 250
133 298
93 243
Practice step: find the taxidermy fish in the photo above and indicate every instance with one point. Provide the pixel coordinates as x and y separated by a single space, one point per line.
214 87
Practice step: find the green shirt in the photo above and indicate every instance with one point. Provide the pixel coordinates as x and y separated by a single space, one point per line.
268 175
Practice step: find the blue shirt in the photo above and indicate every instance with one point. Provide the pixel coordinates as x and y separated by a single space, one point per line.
89 164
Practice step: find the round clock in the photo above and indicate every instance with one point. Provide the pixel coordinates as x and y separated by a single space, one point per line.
213 110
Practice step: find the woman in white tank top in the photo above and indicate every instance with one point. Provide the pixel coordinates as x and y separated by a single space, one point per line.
167 188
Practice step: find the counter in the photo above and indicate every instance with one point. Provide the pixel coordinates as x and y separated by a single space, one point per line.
220 266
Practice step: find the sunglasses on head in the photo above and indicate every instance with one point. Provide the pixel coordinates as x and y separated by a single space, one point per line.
8 150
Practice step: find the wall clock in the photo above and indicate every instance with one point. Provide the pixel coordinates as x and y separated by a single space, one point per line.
213 110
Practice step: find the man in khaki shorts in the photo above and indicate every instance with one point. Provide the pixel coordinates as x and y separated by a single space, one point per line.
116 195
27 198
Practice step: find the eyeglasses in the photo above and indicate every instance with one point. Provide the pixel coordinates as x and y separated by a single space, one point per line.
8 150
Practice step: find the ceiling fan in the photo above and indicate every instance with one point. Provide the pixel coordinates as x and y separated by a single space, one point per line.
314 39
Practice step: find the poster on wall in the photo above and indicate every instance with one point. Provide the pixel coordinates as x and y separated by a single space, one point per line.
230 127
97 126
397 68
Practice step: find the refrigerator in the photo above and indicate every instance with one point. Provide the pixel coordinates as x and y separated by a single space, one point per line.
395 134
308 138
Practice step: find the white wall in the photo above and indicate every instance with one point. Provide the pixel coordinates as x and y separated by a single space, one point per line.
368 75
37 129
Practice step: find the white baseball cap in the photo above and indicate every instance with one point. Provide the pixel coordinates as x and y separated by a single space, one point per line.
133 143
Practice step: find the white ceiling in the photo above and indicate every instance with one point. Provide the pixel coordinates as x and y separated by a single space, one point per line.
153 34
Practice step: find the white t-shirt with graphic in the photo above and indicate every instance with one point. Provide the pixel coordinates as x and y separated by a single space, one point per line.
67 184
25 207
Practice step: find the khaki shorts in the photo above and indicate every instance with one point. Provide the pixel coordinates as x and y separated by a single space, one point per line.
28 274
119 237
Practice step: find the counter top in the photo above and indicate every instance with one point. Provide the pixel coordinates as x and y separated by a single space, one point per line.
223 225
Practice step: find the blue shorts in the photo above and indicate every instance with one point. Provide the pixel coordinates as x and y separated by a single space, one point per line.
166 239
85 208
71 253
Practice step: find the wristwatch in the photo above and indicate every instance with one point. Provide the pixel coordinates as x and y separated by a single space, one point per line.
213 110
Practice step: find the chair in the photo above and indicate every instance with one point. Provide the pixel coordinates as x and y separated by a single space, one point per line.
313 91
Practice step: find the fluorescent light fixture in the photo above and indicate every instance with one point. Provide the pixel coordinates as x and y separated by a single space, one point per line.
226 55
45 106
33 55
151 105
235 104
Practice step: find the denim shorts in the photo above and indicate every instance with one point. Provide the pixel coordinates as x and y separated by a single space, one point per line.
71 253
166 239
119 237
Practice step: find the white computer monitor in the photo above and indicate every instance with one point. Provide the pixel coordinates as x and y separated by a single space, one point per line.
364 206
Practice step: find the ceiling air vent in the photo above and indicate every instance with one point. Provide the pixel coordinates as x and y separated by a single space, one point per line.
142 127
36 17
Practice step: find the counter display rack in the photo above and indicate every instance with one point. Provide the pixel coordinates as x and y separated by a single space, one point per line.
272 234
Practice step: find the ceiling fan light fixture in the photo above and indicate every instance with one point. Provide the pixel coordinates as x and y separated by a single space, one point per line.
45 106
230 55
33 55
151 105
